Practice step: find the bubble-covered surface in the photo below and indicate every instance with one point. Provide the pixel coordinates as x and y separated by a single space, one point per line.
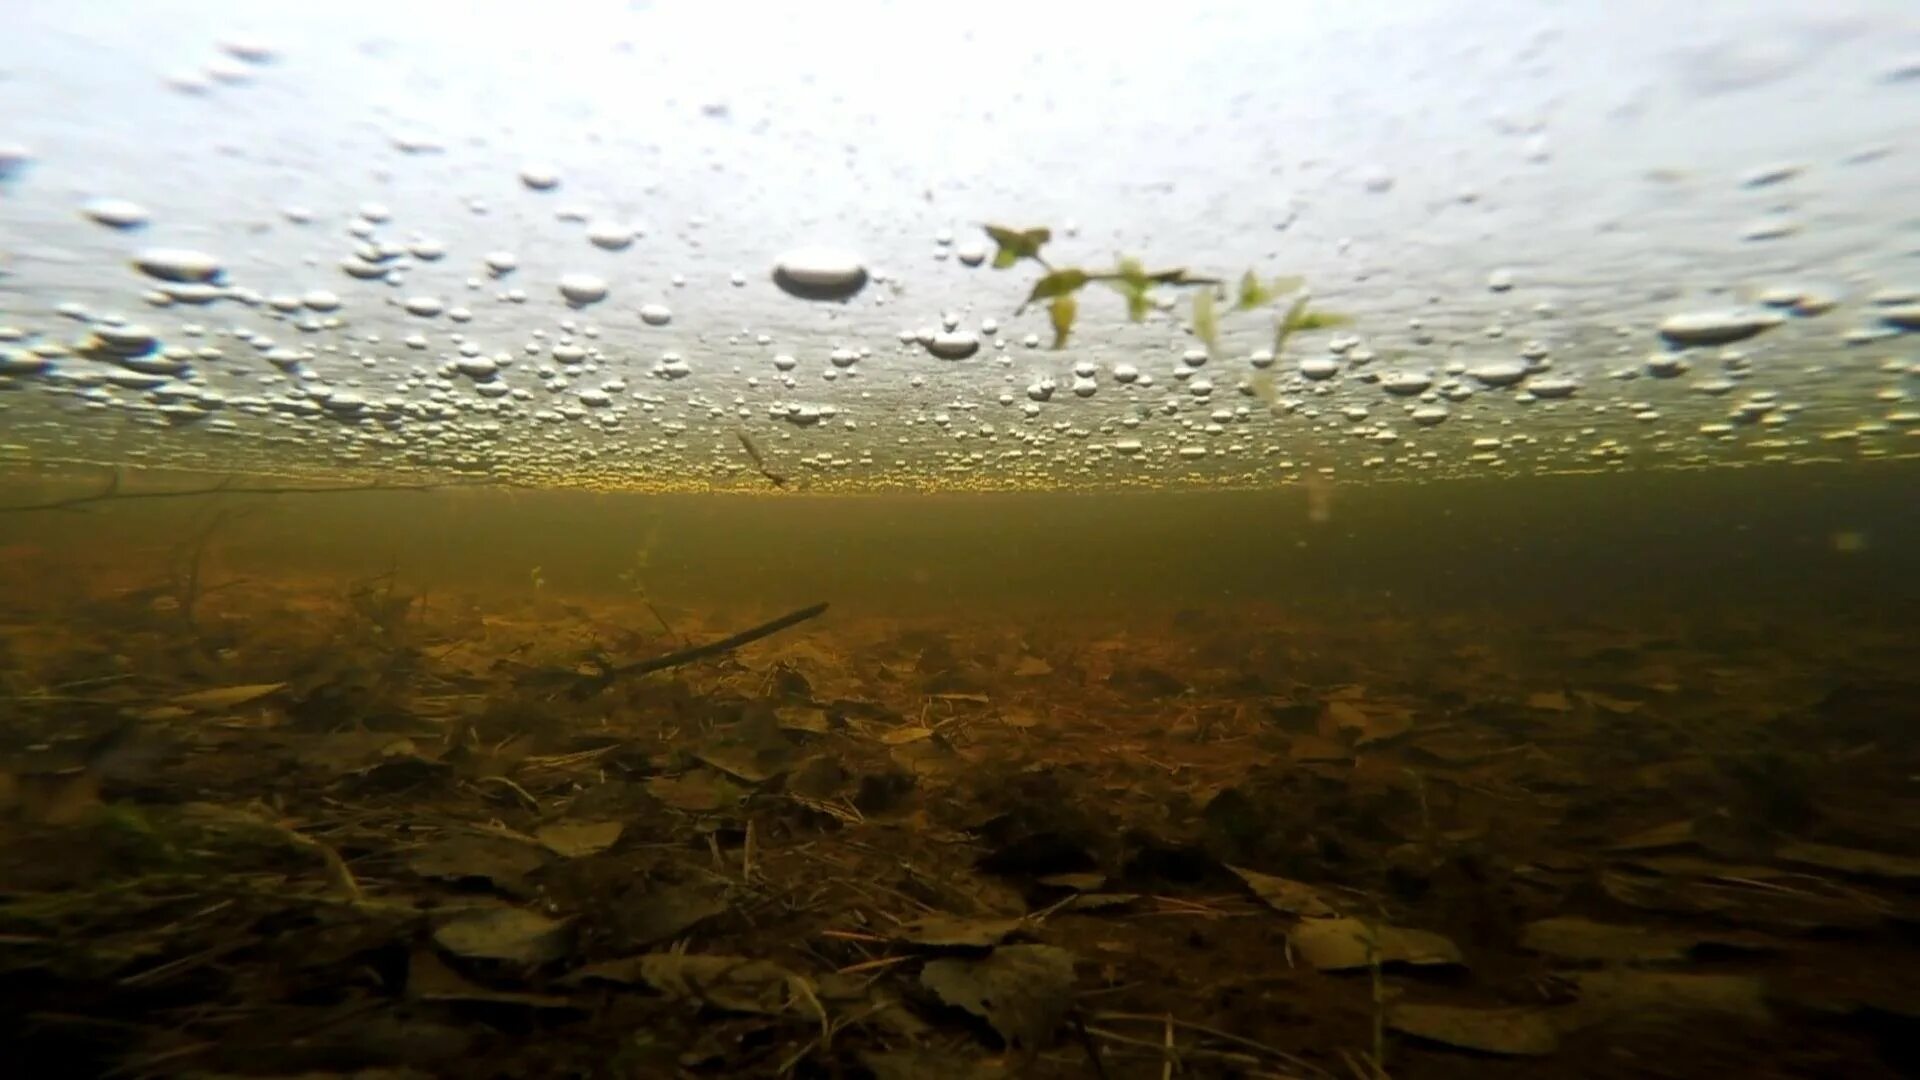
565 246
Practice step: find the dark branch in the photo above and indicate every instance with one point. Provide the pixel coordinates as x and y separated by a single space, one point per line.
589 685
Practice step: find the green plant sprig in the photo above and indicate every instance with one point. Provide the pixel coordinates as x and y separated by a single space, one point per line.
1059 287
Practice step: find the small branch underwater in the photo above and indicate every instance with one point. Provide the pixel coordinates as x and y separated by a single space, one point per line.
585 686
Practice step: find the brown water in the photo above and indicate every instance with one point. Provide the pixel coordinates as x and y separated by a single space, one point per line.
1839 538
1638 748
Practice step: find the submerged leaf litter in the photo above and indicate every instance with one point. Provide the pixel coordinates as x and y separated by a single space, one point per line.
292 832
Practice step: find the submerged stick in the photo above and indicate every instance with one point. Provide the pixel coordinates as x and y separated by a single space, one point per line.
595 683
760 463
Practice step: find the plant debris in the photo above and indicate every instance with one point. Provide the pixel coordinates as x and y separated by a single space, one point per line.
1023 991
1342 944
1523 1032
361 828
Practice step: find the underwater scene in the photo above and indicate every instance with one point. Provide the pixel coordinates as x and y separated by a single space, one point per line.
881 541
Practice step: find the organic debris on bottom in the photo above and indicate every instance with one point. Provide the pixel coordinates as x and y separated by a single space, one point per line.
315 834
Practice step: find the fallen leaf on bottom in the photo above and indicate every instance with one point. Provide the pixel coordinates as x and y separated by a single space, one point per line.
1520 1032
1874 864
1022 991
513 935
492 858
1344 944
225 697
1287 897
726 982
952 931
1578 939
575 839
697 791
1605 994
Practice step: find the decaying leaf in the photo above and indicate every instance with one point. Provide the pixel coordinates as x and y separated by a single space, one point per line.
1286 897
225 697
498 859
1012 245
900 736
953 931
508 935
808 718
699 791
1550 701
1604 994
430 979
1673 834
1022 991
1583 940
664 914
577 839
1727 892
1366 723
745 761
1519 1032
1305 748
1869 864
734 983
1061 313
1031 667
1346 944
